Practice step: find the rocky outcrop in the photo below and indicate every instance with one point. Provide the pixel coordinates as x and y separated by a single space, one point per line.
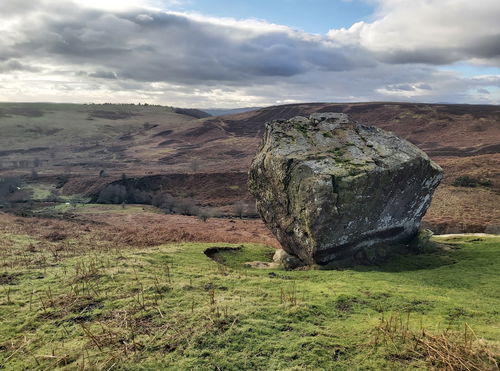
331 189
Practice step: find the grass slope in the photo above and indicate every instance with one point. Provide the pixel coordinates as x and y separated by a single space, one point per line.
85 303
49 144
54 138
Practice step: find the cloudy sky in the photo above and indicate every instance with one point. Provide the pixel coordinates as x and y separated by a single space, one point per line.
230 53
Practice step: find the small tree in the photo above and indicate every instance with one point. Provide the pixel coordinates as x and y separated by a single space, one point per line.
239 209
136 196
61 180
112 194
468 181
8 186
164 201
185 207
203 215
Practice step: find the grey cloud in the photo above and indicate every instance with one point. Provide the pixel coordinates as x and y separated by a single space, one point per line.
400 87
158 46
424 86
11 65
485 47
103 75
8 8
164 57
426 56
434 32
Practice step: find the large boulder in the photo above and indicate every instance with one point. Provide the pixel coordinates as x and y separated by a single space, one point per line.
331 189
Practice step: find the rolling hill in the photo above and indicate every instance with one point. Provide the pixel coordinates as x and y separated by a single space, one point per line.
206 159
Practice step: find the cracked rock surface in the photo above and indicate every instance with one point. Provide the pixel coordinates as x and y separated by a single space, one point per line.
331 189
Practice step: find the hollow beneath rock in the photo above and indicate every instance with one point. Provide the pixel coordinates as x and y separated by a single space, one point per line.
214 253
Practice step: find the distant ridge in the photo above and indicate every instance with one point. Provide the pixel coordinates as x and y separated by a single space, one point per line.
230 111
196 113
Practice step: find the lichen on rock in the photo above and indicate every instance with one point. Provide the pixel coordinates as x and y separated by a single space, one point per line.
330 188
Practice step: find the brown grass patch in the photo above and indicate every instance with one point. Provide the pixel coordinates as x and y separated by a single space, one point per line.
449 350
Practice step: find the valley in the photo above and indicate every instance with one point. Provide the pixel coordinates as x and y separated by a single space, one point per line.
78 150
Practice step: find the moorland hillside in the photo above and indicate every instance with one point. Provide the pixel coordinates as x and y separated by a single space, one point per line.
205 159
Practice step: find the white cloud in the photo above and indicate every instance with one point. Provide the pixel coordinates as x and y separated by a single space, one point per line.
429 31
129 50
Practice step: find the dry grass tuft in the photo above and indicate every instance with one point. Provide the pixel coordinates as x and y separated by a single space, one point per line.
449 350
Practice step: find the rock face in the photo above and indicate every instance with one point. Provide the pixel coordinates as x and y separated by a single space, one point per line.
331 189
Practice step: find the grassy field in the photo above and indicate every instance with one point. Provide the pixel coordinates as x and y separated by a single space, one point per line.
84 138
84 301
99 287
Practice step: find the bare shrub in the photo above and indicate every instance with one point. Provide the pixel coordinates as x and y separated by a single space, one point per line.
61 180
164 201
203 214
136 196
8 186
185 207
113 194
239 209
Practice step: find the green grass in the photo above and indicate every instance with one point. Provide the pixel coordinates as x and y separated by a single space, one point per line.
40 191
82 208
79 139
76 206
171 307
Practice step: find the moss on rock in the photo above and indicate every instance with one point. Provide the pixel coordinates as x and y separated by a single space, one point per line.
330 188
